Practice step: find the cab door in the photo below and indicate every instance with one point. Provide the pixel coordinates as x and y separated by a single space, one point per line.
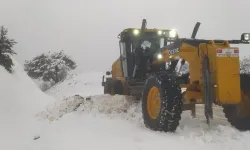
123 58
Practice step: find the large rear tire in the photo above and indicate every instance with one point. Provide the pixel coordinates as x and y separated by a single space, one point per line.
239 115
236 118
161 103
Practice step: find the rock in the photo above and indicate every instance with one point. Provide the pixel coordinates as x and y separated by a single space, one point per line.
36 137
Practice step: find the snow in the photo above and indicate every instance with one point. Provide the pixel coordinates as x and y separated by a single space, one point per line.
20 102
83 118
104 123
88 132
84 84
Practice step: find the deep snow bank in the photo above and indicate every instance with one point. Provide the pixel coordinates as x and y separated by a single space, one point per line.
20 101
84 84
109 106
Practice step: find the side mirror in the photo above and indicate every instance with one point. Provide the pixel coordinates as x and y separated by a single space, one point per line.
108 73
103 83
245 37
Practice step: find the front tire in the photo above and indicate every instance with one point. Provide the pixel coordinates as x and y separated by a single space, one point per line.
162 113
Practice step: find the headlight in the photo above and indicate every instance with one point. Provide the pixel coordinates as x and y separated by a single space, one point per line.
172 33
159 32
245 36
136 32
159 56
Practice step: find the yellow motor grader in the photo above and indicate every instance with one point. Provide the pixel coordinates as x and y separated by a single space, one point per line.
150 68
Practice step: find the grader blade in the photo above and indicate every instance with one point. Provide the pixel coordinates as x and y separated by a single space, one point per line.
207 87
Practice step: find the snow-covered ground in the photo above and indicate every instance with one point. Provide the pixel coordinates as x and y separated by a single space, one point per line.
83 118
85 84
106 122
20 100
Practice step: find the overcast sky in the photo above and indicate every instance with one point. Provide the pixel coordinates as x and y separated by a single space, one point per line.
87 29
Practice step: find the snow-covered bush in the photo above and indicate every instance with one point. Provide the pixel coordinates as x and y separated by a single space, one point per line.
245 65
6 50
49 67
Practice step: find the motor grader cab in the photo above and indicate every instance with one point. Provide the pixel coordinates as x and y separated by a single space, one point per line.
153 76
139 50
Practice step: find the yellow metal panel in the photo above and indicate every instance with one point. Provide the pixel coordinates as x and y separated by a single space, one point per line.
116 69
224 71
190 95
190 54
228 76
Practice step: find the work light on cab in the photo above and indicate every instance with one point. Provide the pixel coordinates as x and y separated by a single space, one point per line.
136 32
245 36
159 56
173 33
159 32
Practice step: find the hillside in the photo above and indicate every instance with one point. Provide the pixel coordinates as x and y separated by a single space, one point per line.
84 84
20 101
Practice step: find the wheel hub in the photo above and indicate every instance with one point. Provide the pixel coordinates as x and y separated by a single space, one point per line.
153 102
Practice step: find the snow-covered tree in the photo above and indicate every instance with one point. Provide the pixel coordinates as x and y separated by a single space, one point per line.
245 65
50 67
6 50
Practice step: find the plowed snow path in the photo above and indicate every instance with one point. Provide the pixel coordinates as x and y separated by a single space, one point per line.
115 123
103 123
100 133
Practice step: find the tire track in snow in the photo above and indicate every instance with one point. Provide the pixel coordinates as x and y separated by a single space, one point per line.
218 114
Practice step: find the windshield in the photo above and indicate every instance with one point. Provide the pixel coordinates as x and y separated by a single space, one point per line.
153 44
